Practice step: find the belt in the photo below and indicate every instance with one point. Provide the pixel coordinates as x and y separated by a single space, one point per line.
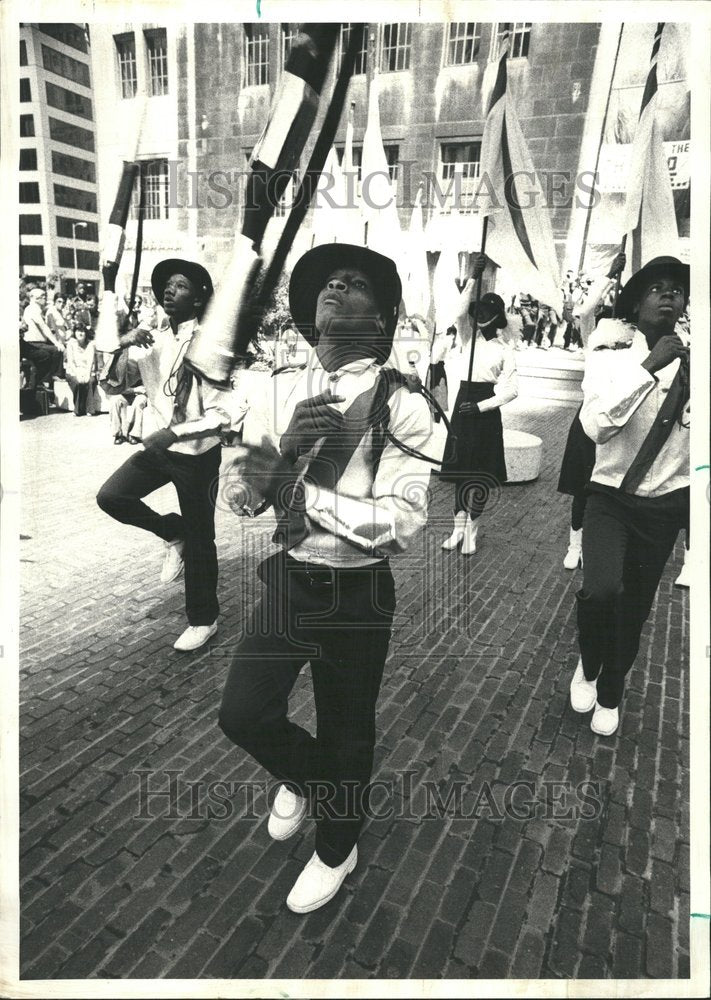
319 575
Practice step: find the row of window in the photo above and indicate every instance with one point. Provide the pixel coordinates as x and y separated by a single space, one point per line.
59 97
31 225
70 135
462 41
461 48
62 163
86 260
157 52
65 197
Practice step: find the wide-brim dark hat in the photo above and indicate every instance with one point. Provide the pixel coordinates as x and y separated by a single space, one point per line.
196 273
311 272
496 303
631 293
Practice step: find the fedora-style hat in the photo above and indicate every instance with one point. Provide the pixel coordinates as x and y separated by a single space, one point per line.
497 305
311 272
196 273
632 291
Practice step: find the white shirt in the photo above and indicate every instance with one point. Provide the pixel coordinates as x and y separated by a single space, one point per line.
390 508
494 362
159 365
621 400
36 326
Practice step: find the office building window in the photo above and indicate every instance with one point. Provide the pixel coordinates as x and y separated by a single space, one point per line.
519 37
397 45
33 254
462 46
67 100
459 171
391 155
71 135
154 180
255 55
126 52
86 260
73 166
27 126
89 232
28 159
29 193
71 34
65 66
288 36
68 197
157 45
30 225
25 90
23 52
361 60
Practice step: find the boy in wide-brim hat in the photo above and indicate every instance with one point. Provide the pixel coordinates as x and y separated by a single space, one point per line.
185 450
636 410
346 501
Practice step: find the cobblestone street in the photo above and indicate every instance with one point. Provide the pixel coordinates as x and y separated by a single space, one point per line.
590 881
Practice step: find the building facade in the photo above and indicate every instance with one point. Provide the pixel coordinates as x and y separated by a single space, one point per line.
191 101
59 231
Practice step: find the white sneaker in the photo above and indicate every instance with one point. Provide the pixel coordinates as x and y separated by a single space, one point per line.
173 562
287 815
574 556
457 535
583 694
318 883
605 720
194 637
469 541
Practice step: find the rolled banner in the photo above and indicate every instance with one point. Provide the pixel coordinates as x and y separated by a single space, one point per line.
229 323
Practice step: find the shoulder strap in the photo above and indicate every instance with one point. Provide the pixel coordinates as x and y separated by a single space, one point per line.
368 410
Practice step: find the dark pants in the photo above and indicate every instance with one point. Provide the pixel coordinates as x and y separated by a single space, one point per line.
46 358
528 332
577 510
572 335
340 621
626 544
195 478
80 394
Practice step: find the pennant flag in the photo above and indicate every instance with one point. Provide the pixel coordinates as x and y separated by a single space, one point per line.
415 275
353 223
649 203
520 237
378 202
329 203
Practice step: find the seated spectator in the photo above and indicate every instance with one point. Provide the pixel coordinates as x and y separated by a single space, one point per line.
80 371
56 319
38 343
126 409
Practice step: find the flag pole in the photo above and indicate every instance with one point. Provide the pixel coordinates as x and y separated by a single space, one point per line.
484 228
586 230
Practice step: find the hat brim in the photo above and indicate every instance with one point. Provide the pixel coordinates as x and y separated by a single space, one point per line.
196 273
494 300
632 291
311 272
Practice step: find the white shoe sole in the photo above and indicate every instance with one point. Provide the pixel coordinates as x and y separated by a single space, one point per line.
604 732
326 899
191 649
292 830
581 710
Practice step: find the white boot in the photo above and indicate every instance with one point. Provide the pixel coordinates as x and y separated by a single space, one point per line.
574 555
457 535
684 578
469 542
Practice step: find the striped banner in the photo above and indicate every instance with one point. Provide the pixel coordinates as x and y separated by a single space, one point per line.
519 237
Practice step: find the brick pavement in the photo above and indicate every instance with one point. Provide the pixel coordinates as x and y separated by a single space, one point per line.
474 700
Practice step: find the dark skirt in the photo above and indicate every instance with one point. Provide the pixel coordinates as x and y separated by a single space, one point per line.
476 441
578 460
